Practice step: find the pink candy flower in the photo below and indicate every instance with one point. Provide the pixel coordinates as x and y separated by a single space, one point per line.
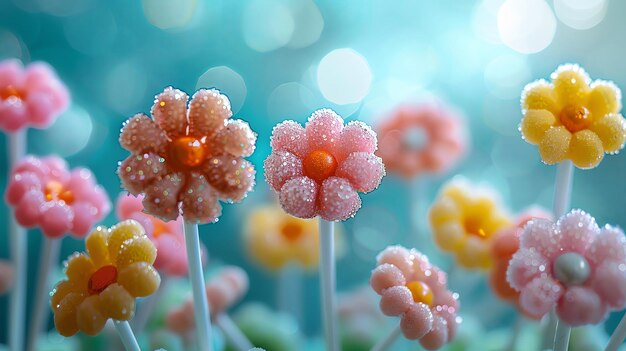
45 194
571 264
412 288
223 291
318 169
421 139
187 158
32 96
167 237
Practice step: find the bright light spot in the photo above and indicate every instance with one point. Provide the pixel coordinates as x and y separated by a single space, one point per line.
344 77
580 14
93 32
506 75
125 87
11 46
308 23
267 25
70 133
168 14
290 100
526 26
228 82
485 20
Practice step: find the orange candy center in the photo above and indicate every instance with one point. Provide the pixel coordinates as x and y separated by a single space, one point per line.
421 292
319 165
101 279
11 91
188 151
160 228
55 191
474 227
575 118
291 231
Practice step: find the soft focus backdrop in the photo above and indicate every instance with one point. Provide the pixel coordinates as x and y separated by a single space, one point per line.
281 60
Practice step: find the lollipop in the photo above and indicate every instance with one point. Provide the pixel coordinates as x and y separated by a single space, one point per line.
318 170
185 160
571 265
28 97
413 289
463 219
104 282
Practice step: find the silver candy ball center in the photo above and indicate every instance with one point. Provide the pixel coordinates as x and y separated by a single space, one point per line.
571 269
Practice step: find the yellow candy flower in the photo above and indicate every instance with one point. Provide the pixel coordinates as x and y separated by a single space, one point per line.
104 283
274 238
572 118
463 219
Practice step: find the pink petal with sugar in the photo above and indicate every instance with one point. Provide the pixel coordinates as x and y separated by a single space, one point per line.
281 166
208 110
172 256
56 219
396 300
85 216
323 130
137 172
578 230
199 201
356 136
397 256
29 209
580 306
161 198
610 244
140 134
417 321
543 236
13 115
609 282
128 204
170 112
298 197
449 316
540 296
231 178
11 73
338 200
437 336
525 266
386 276
41 109
236 138
19 184
363 170
34 165
57 168
290 136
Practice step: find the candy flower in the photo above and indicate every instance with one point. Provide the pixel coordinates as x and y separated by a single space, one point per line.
30 97
414 289
573 118
168 237
505 243
463 219
269 329
6 276
187 157
572 265
222 291
417 139
45 194
104 282
318 169
275 239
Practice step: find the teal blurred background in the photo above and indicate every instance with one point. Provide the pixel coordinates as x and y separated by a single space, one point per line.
281 60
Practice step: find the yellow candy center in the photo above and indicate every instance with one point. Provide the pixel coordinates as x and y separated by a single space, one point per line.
54 191
319 165
575 118
474 226
10 91
188 151
101 279
291 231
421 292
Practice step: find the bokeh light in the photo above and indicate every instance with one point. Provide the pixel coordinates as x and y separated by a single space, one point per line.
526 26
267 25
70 133
290 100
167 14
125 87
580 14
227 81
308 23
485 20
344 76
93 32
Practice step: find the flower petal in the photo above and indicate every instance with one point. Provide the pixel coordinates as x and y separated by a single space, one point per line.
65 320
586 149
170 112
364 171
138 249
535 124
437 336
56 219
232 178
140 135
120 234
610 244
323 130
289 136
97 247
539 95
578 230
199 200
539 296
140 279
236 138
338 200
604 98
161 199
475 253
29 209
571 85
89 316
19 184
79 269
11 73
525 266
62 289
137 172
117 302
85 216
449 236
356 136
208 110
611 130
580 306
417 321
397 256
280 166
298 197
445 209
609 282
396 300
386 276
554 145
541 235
